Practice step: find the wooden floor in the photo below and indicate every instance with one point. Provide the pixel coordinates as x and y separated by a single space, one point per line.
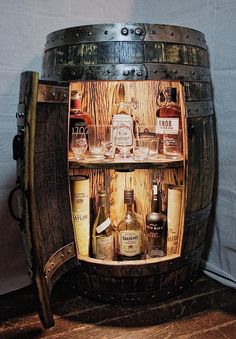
206 310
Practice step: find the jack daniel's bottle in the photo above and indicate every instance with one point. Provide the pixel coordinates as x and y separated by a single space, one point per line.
130 231
156 226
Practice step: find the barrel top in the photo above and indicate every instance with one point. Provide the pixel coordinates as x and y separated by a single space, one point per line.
125 32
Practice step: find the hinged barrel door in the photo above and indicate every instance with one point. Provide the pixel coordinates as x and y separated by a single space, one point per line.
42 171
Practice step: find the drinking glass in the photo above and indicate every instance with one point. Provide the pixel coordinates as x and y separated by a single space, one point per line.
172 144
78 145
141 149
97 135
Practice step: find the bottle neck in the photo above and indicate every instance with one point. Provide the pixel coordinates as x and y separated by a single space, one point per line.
156 198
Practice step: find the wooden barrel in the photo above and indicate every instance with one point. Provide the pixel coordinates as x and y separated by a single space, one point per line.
147 52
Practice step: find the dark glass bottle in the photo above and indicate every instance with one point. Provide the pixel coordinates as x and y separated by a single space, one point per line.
156 225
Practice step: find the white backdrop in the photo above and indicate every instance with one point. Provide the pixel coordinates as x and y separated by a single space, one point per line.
23 28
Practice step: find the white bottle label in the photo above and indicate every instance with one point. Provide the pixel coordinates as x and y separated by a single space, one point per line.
122 129
104 247
170 125
130 243
103 225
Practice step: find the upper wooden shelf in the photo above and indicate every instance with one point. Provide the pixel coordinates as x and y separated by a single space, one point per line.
124 164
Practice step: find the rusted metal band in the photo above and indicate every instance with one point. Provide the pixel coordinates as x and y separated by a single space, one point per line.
198 216
125 32
59 258
199 109
52 94
128 72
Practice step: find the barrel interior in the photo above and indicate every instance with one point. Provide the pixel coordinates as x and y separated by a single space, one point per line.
99 98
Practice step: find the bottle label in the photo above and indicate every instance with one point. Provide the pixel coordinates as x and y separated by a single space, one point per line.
170 125
104 247
82 231
122 129
130 243
154 230
103 225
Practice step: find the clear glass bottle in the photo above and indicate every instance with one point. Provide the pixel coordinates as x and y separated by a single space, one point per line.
156 225
122 124
79 120
103 236
168 115
130 231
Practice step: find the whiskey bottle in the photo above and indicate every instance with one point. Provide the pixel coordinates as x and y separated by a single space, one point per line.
103 239
156 225
168 115
130 231
122 124
78 118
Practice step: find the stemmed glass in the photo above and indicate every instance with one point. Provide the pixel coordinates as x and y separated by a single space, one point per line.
78 145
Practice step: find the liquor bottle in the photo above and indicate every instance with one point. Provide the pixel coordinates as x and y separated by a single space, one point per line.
122 124
78 118
130 231
156 225
103 239
168 115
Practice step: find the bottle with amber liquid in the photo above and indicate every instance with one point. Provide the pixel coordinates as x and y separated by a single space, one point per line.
103 236
130 231
78 118
156 225
168 115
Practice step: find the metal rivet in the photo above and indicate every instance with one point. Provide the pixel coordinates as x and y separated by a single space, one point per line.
126 73
155 71
53 94
196 109
62 255
106 32
172 33
59 73
193 72
138 31
124 31
53 39
153 31
65 95
181 287
77 35
175 72
139 73
89 33
69 251
108 71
